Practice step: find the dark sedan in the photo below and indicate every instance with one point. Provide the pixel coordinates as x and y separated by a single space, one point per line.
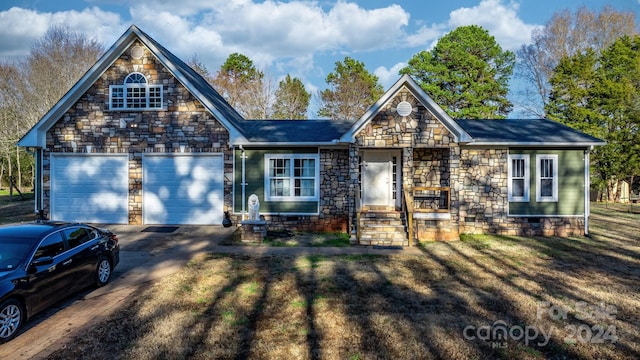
42 263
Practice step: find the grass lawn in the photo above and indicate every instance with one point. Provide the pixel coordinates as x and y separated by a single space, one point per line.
15 209
480 298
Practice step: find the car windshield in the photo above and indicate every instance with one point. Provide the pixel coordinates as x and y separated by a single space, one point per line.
13 251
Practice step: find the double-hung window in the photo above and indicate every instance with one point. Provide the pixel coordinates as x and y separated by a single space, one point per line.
518 177
135 94
547 178
291 177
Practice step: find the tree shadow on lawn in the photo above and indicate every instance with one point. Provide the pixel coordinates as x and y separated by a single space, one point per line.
456 301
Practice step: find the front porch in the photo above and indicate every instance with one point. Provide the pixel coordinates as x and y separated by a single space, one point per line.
402 196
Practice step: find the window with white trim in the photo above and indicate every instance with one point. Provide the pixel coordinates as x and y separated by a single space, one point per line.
292 177
547 178
518 178
135 94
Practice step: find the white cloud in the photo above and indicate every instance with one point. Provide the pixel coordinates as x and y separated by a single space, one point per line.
501 20
426 35
269 32
21 27
389 76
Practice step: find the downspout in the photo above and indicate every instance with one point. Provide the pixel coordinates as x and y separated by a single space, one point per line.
587 191
38 188
243 157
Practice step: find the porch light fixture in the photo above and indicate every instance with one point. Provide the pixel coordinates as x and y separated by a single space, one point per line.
404 108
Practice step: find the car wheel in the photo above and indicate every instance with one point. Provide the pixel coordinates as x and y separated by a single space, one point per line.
11 318
103 271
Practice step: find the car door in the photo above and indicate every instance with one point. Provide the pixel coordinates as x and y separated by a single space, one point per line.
46 280
83 252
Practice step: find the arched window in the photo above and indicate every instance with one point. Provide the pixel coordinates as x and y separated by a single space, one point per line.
135 94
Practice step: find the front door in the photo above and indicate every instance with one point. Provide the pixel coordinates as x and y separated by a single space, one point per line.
378 178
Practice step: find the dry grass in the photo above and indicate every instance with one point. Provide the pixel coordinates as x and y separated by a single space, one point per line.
14 209
399 307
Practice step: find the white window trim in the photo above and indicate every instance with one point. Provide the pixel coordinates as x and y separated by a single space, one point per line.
292 157
127 86
527 178
554 196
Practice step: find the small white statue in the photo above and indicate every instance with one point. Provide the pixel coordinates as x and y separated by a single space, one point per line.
254 207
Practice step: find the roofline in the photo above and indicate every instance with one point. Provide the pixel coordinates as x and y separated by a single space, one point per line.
538 144
36 136
234 133
290 144
460 134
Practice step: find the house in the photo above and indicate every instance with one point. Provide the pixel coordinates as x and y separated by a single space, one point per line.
143 139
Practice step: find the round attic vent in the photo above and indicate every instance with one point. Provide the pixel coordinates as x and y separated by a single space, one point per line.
137 52
404 109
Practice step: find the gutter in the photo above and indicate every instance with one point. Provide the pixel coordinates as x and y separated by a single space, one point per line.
537 144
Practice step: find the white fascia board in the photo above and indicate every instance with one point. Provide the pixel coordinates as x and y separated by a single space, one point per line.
36 136
537 144
406 80
234 133
288 144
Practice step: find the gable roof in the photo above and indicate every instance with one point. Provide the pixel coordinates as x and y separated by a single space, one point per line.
406 80
524 132
294 132
189 78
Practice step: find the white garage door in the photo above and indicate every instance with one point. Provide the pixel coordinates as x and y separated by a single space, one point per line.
182 189
90 188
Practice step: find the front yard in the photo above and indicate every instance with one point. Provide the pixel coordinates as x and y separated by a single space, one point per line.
483 297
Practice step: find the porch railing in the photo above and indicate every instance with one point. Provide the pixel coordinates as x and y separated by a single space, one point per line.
407 209
431 199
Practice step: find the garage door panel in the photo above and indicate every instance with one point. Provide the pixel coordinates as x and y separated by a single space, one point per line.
89 188
182 189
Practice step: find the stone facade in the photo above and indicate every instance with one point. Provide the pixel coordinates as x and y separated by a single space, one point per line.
429 157
183 122
477 177
482 189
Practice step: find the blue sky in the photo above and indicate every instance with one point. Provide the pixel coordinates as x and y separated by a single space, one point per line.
301 38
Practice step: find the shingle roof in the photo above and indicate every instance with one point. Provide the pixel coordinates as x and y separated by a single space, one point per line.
312 131
196 81
539 132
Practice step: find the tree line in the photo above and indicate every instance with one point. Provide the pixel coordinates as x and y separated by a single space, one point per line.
581 69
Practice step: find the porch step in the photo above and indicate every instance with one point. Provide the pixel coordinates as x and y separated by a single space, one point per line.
382 228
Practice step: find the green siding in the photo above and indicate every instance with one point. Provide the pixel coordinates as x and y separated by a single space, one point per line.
254 177
570 184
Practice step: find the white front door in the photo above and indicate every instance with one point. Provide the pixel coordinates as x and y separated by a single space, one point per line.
378 178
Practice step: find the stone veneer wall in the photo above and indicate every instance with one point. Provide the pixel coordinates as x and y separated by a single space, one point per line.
334 201
429 156
183 122
432 168
483 185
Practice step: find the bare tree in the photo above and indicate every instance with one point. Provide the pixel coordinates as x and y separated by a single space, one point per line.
352 89
11 99
246 88
55 64
30 88
565 35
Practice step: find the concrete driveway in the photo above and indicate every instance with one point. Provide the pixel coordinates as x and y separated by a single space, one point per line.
144 256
